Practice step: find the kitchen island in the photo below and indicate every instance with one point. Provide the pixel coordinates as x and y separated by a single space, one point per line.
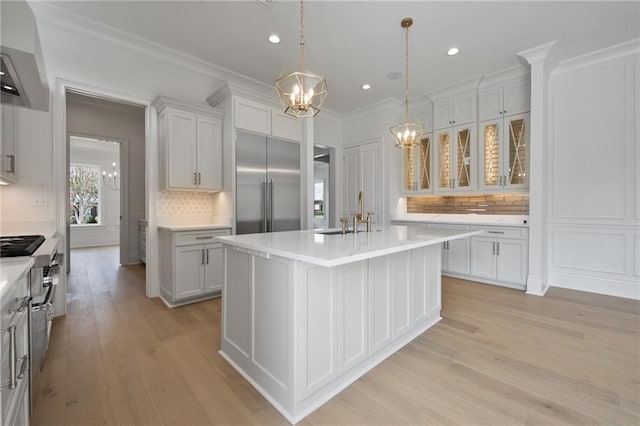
305 314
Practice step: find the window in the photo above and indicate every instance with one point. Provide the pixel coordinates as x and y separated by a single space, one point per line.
84 184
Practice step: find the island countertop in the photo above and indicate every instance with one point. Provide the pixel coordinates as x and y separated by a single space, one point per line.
321 249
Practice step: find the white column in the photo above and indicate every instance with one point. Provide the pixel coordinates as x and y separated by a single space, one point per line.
541 63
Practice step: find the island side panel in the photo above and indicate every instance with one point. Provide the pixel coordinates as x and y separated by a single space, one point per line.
382 304
272 327
237 302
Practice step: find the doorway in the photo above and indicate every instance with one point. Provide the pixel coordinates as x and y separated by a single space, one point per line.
322 187
96 188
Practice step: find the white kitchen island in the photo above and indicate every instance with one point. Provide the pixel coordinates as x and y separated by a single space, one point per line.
306 314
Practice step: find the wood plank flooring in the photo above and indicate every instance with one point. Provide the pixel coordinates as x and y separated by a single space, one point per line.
497 357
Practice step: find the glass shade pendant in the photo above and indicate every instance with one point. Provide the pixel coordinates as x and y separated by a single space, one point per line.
406 134
301 93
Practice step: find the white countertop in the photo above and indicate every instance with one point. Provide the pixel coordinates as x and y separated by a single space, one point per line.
466 219
333 250
192 227
10 270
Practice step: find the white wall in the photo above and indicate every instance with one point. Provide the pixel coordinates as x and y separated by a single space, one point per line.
103 154
109 120
20 210
593 195
370 124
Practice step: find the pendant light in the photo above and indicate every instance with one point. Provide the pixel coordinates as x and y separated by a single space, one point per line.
301 93
406 134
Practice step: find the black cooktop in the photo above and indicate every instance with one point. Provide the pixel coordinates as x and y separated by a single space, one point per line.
23 245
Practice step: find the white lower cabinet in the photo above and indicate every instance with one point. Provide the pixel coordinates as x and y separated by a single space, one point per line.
500 259
191 265
497 256
455 253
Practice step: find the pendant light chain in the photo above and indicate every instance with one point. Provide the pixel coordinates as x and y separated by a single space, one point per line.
301 36
406 75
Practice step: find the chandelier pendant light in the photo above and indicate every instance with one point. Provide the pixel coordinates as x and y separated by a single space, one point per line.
406 134
111 180
301 93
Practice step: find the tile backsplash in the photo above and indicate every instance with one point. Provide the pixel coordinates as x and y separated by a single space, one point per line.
515 204
183 203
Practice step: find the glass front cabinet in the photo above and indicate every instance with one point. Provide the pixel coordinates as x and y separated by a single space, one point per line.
455 164
504 145
416 167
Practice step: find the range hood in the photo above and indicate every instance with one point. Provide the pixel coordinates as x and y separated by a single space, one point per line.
23 76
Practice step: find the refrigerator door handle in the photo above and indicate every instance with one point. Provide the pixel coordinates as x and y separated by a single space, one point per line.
270 204
263 183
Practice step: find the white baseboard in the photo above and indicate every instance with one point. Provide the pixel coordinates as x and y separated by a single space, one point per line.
607 286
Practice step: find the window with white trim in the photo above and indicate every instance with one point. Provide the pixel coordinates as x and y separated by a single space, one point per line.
85 194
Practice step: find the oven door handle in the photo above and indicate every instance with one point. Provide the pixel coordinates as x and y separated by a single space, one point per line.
42 306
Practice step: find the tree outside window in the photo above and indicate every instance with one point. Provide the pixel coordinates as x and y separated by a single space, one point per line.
84 183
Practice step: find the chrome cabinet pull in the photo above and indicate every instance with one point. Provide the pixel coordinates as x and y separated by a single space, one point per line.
23 305
199 178
23 367
12 359
495 232
493 248
195 178
202 253
207 256
12 161
498 248
208 237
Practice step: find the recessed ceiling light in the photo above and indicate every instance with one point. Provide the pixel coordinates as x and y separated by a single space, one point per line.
366 86
453 51
273 38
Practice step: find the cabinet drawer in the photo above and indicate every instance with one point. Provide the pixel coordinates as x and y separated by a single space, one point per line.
502 232
13 300
198 237
9 397
453 227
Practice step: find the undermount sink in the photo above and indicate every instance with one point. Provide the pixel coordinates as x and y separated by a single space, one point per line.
332 232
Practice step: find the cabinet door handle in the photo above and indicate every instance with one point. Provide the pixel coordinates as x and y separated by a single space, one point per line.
199 178
495 232
207 256
195 178
208 237
23 367
498 248
13 381
12 161
202 253
493 248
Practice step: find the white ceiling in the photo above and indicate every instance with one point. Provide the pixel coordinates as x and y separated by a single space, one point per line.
353 42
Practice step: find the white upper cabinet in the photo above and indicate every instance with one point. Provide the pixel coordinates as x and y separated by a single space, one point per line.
503 100
455 110
7 144
263 119
190 146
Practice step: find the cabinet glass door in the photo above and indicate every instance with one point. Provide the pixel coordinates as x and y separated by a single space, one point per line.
517 151
491 154
463 158
444 163
424 164
408 182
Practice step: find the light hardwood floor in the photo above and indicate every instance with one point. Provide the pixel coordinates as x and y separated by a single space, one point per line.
497 357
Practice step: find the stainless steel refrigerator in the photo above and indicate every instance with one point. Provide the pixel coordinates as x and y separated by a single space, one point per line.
267 184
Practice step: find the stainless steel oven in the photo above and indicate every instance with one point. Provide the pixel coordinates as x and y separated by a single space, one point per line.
44 281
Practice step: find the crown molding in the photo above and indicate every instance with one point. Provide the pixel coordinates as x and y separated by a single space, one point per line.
384 105
503 76
162 102
538 53
463 86
47 12
265 96
621 50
